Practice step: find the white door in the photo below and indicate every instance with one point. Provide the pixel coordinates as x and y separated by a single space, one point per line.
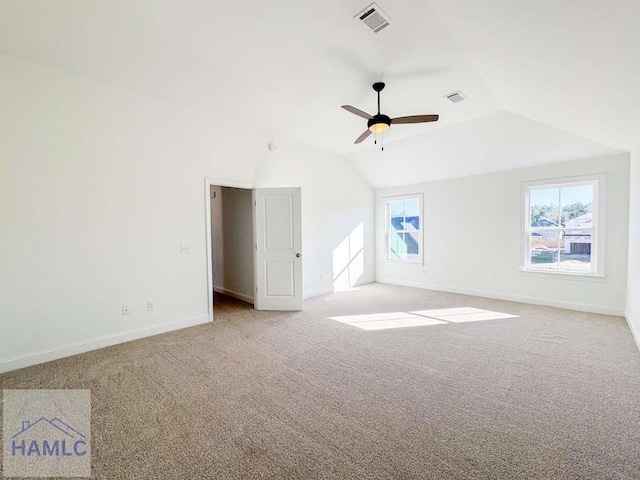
278 241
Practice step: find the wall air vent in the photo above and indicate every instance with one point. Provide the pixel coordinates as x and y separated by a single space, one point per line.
374 18
456 97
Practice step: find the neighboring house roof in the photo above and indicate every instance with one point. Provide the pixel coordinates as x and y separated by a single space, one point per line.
403 223
543 222
585 220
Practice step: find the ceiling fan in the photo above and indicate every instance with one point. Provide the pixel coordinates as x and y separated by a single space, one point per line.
380 123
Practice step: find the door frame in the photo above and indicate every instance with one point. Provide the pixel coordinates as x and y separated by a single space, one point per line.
221 182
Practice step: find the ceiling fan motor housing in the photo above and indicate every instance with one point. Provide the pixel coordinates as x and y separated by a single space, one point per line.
379 123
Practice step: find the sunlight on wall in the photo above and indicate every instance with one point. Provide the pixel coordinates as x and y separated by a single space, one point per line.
384 321
348 260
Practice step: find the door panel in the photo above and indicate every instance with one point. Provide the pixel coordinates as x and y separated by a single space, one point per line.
278 212
278 241
280 279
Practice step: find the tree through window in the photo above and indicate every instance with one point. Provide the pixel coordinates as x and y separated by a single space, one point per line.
561 227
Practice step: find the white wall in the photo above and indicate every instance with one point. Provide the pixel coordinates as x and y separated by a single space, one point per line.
232 242
98 189
473 227
337 209
633 295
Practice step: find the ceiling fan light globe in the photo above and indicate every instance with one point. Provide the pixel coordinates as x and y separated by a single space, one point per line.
379 128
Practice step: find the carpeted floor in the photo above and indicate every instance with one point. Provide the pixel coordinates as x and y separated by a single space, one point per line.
546 394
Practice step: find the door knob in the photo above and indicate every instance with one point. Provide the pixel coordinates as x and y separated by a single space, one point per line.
298 255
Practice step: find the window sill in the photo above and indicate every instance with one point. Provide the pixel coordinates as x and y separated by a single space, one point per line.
581 277
404 262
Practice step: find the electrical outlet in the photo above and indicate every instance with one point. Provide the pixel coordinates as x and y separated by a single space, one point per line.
185 249
126 310
151 305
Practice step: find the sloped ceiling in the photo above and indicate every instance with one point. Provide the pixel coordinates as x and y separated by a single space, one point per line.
286 66
283 66
573 64
494 142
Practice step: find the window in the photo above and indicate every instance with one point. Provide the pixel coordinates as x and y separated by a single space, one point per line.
561 230
403 229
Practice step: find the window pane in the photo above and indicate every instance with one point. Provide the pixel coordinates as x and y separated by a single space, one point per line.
544 250
545 207
575 254
412 214
396 215
403 237
404 246
411 240
577 206
397 246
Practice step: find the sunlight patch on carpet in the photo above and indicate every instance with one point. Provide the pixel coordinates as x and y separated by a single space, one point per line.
383 321
420 318
464 314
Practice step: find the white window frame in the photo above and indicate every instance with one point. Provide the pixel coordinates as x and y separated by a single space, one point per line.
598 236
402 198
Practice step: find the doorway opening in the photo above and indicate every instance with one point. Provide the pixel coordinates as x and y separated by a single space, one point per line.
231 243
254 244
217 227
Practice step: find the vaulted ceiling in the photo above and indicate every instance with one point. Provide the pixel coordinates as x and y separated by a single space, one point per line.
286 66
573 64
495 142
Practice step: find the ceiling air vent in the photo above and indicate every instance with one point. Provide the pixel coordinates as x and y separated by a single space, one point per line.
374 18
456 97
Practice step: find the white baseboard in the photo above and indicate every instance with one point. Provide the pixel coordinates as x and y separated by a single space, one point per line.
317 293
35 358
248 299
364 281
634 330
327 290
234 294
581 307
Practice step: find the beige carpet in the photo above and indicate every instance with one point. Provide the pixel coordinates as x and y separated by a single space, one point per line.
549 394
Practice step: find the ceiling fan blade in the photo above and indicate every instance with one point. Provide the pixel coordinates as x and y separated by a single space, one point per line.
357 111
361 138
415 119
